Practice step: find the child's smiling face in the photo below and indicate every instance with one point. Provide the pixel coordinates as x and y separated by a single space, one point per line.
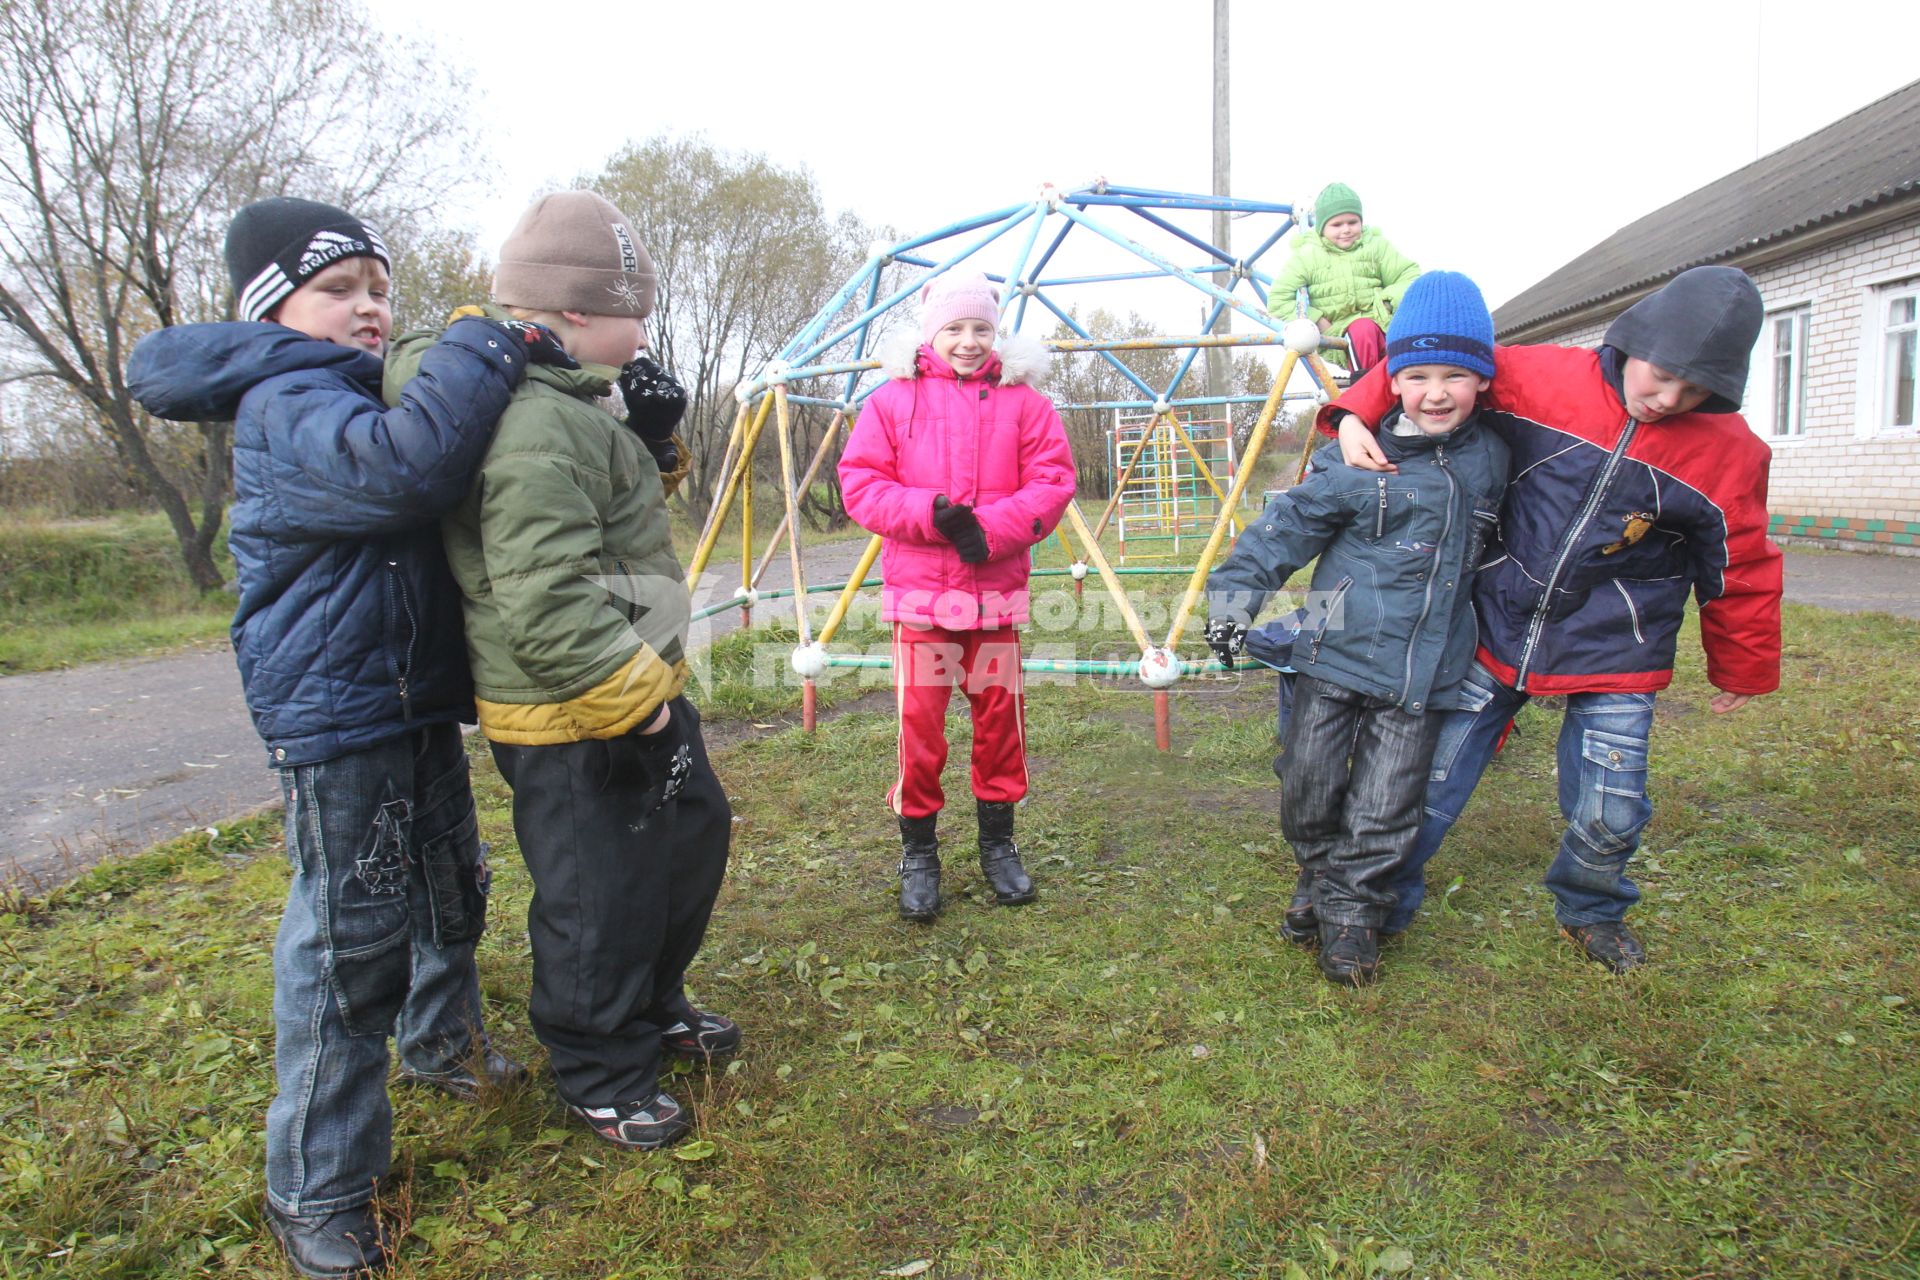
965 344
347 304
1343 230
1437 397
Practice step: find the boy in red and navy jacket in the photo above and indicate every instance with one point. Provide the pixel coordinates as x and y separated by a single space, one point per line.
1635 482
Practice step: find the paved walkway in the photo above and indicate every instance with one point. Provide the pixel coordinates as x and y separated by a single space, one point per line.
115 756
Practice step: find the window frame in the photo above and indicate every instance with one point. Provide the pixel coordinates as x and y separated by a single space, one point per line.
1875 369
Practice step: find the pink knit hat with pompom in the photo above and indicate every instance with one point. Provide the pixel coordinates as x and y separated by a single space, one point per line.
958 295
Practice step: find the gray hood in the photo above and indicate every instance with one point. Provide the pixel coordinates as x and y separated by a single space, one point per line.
1701 327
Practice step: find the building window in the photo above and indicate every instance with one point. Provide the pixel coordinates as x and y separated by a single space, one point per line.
1899 356
1786 409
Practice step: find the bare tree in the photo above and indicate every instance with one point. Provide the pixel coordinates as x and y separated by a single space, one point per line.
746 255
130 130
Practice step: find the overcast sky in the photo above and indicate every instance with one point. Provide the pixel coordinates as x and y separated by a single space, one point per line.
1496 139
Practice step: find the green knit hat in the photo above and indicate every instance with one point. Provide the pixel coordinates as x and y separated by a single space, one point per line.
1335 199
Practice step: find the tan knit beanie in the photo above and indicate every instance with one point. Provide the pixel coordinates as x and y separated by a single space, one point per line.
573 251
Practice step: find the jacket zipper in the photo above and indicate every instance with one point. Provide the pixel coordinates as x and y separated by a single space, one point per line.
1426 601
632 609
397 606
1326 619
1587 508
1380 511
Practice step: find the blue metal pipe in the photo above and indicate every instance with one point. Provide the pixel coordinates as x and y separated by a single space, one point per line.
1020 318
871 267
1213 204
1188 236
1108 356
960 228
1020 214
1204 286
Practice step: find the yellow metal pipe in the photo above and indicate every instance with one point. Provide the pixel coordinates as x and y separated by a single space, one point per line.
806 483
734 436
1205 470
1107 576
741 464
851 590
785 431
1254 444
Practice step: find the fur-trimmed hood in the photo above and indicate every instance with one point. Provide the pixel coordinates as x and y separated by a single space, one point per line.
1023 360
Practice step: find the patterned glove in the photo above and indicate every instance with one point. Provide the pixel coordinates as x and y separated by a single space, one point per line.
542 347
655 401
958 525
1227 639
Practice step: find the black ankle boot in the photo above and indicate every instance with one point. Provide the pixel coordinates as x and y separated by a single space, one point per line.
999 859
919 868
1301 924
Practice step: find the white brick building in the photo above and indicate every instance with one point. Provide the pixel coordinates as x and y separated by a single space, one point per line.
1829 228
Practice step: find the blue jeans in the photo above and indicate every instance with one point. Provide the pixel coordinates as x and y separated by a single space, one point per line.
1602 760
387 900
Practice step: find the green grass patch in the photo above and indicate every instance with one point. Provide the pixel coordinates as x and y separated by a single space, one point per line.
74 591
1134 1076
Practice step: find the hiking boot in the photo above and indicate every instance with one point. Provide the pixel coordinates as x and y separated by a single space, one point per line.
498 1072
348 1242
1349 953
1609 942
999 858
919 868
702 1037
639 1126
1301 924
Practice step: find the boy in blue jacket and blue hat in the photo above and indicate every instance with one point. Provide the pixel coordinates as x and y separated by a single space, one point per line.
1390 628
348 637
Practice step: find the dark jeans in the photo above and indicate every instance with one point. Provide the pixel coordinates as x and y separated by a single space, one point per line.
387 900
1601 761
1351 780
626 858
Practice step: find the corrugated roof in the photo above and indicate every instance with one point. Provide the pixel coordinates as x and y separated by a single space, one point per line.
1858 161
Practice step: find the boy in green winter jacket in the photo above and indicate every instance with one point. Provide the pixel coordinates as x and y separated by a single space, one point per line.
1354 279
576 622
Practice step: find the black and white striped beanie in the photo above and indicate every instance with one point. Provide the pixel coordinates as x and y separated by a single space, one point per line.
275 246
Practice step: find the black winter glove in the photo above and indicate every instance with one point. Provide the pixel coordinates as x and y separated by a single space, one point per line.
655 401
666 454
958 525
664 760
542 347
1227 638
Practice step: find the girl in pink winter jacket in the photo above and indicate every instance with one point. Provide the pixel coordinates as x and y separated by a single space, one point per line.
961 466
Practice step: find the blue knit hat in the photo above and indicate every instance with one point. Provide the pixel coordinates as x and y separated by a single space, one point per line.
1442 320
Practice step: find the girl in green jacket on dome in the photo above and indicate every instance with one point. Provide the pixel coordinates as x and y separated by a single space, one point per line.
1354 279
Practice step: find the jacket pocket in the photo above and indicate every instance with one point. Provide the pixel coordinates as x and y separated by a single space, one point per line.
1335 602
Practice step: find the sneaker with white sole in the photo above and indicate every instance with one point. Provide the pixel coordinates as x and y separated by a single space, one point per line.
701 1036
639 1126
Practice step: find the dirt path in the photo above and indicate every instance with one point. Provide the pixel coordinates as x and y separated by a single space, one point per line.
115 756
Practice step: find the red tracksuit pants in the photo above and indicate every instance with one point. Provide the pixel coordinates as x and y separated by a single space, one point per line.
927 664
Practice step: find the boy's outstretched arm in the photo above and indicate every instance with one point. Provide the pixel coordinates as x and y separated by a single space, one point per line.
1353 417
1295 527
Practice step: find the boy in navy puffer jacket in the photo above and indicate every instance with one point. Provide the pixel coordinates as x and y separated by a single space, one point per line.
349 643
1390 630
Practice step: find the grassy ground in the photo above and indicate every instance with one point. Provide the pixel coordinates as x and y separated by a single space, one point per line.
1132 1077
76 591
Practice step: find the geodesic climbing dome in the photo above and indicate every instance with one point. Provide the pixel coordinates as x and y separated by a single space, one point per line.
1049 255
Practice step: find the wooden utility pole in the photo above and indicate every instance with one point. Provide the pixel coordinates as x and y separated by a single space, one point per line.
1219 359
